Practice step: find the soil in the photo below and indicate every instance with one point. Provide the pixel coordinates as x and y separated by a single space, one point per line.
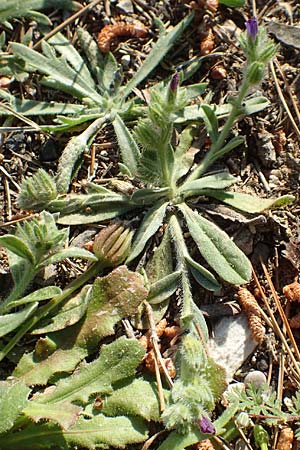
268 166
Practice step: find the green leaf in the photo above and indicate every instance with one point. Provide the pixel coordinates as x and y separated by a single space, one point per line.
249 203
148 195
108 211
193 90
109 70
219 180
92 52
217 248
160 49
71 252
17 246
60 74
211 122
184 154
129 150
97 432
164 288
13 398
69 314
10 322
149 226
177 441
10 9
233 3
37 296
255 104
117 361
65 414
136 398
203 276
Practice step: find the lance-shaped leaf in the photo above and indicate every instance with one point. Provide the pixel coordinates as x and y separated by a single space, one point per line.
110 68
10 322
211 122
97 432
37 296
218 180
249 203
116 362
136 398
130 152
164 288
177 441
149 195
17 246
148 227
184 154
13 398
71 252
65 413
217 248
203 276
23 8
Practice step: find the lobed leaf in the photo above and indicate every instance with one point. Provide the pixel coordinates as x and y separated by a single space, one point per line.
13 398
217 248
65 414
116 362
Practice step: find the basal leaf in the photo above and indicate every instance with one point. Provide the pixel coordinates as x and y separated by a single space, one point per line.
211 122
203 276
13 398
92 52
130 152
17 246
65 414
10 322
217 248
10 9
109 70
116 362
148 227
184 154
164 288
177 441
38 295
249 203
135 398
148 195
69 314
70 252
94 215
233 3
218 180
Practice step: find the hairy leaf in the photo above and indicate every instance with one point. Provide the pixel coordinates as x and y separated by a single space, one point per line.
70 252
184 155
177 441
17 246
97 432
10 322
38 295
13 398
117 361
164 288
138 398
149 226
211 122
249 203
65 414
10 9
129 150
218 180
217 248
203 276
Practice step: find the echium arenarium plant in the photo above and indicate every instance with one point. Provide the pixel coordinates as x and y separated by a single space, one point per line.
168 179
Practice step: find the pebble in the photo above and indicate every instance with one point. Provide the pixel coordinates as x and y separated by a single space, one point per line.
125 60
48 151
125 6
256 377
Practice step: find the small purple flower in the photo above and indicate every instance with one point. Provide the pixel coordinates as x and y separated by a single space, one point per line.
205 425
252 28
174 82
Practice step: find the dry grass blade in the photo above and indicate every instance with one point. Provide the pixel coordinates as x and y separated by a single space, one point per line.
271 320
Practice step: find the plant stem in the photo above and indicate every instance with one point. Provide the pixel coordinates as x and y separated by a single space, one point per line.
44 310
215 148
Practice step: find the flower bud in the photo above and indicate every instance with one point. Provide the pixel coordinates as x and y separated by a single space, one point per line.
252 28
255 72
174 82
243 420
206 427
112 244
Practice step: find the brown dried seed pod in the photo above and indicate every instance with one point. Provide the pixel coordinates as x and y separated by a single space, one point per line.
252 310
170 367
210 5
285 440
295 321
145 340
109 32
171 332
208 43
292 292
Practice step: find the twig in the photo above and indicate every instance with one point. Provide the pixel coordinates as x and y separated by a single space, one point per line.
281 311
151 440
243 436
254 10
66 22
284 103
275 325
4 171
261 176
8 199
288 88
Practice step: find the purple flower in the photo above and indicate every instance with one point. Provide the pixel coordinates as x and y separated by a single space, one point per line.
252 28
205 425
174 82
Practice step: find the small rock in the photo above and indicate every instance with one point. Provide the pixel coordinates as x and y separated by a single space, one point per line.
48 151
125 60
256 377
125 6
